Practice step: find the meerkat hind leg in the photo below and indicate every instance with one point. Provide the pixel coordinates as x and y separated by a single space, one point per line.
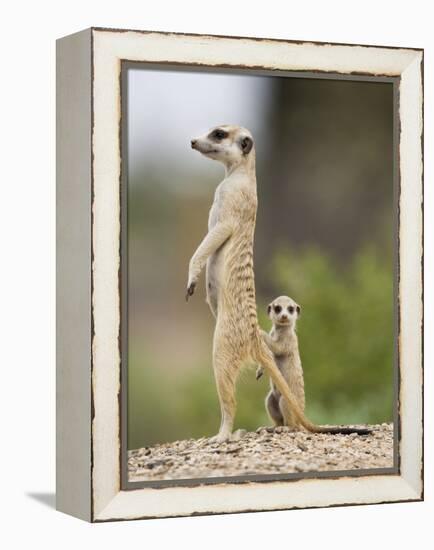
272 406
225 377
287 415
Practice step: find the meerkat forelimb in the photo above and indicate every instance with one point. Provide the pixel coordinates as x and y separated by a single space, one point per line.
227 252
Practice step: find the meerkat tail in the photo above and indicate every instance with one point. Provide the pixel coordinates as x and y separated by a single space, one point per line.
344 431
265 358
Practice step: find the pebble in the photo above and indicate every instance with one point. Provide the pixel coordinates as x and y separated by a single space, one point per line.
266 451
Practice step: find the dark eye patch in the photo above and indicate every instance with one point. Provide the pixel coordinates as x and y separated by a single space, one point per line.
277 309
218 134
291 309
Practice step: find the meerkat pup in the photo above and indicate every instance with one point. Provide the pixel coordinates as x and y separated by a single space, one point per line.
227 251
283 343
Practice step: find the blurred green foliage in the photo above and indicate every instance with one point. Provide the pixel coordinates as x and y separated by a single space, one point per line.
346 342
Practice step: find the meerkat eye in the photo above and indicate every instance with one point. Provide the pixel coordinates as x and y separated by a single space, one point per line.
219 134
277 309
291 309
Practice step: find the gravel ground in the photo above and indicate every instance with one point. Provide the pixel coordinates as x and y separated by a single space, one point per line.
266 451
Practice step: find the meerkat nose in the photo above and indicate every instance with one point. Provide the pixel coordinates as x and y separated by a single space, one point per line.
193 143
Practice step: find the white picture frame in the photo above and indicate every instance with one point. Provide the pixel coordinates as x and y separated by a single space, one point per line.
89 302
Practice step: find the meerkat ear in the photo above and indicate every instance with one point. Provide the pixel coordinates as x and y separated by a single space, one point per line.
298 310
246 144
269 309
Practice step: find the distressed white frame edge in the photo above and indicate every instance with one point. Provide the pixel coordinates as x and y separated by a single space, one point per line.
73 274
109 48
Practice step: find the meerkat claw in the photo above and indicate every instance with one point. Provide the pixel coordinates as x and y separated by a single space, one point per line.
190 291
259 373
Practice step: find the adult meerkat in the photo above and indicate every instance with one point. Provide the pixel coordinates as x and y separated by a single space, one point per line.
283 342
227 251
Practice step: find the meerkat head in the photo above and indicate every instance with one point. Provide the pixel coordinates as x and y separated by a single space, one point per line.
230 145
283 311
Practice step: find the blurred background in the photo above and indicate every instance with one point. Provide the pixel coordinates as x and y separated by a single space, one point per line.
324 236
